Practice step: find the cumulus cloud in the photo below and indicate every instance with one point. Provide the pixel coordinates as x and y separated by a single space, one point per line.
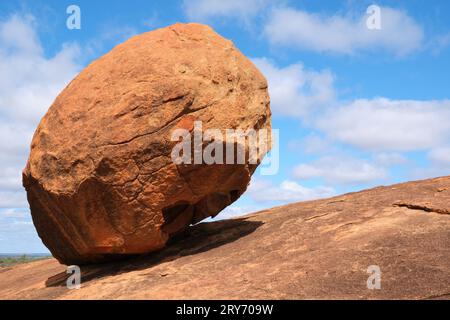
202 10
287 191
379 124
296 91
390 158
313 144
380 128
15 213
440 155
29 82
384 124
18 234
340 170
344 34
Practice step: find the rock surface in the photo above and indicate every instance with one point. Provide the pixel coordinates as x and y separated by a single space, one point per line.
312 250
100 179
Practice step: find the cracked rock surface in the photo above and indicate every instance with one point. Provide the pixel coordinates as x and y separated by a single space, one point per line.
311 250
100 179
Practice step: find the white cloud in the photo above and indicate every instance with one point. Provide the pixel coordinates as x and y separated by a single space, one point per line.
383 127
295 91
29 82
13 198
340 170
379 124
346 34
202 10
18 234
440 155
383 124
287 191
15 213
17 34
390 158
313 144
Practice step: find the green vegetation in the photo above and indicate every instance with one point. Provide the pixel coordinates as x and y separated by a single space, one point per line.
6 261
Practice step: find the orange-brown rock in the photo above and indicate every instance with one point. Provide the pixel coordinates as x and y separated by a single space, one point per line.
100 179
311 250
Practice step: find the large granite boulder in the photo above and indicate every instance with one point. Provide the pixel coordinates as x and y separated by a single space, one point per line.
101 179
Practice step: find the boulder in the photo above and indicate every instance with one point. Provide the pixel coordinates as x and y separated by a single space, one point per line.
101 179
322 249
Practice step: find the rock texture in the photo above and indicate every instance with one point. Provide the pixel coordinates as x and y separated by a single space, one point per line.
312 250
100 179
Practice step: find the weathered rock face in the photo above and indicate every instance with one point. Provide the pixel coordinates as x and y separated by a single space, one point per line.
310 250
100 178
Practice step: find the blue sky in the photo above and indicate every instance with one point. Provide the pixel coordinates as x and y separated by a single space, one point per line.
355 107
